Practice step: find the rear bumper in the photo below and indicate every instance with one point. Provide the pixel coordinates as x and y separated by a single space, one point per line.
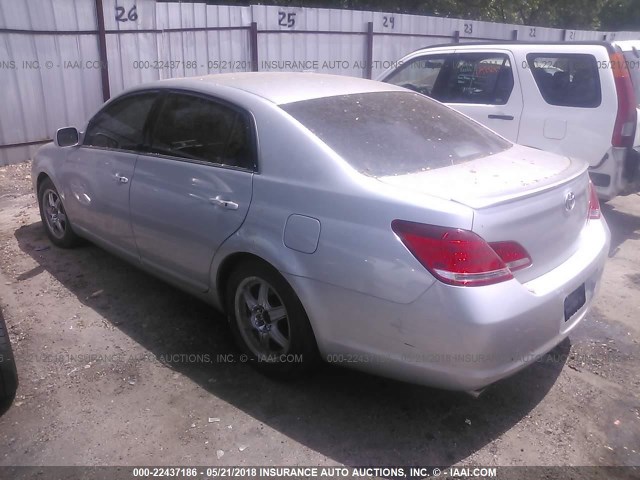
459 338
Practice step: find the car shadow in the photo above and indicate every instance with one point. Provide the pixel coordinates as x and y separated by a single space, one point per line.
350 417
623 226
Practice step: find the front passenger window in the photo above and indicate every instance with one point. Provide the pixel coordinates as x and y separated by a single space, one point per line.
420 74
480 78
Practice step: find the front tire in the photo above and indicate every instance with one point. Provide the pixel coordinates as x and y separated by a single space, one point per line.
54 217
269 322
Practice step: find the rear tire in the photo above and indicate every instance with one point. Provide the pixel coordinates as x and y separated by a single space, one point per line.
54 216
269 322
8 373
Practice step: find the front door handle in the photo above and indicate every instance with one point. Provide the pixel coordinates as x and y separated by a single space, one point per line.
121 179
501 117
224 203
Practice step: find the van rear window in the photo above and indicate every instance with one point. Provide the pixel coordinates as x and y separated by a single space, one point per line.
567 80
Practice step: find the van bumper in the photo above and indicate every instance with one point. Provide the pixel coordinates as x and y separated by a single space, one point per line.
617 173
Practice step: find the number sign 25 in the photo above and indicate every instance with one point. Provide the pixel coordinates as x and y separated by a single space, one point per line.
287 19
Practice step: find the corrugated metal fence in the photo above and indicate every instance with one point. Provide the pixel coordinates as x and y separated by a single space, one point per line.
60 59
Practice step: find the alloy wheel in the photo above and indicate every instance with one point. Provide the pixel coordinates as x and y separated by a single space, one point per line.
54 213
262 318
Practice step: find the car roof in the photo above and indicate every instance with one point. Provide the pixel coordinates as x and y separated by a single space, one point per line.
278 87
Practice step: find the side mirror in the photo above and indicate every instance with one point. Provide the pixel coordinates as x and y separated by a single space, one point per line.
67 137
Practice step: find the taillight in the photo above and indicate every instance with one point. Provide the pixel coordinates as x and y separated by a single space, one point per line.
512 254
624 130
594 203
460 257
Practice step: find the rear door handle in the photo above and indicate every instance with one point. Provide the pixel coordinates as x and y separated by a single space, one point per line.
501 117
121 179
224 203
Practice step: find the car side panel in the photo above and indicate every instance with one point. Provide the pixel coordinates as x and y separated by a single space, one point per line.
357 248
96 183
176 221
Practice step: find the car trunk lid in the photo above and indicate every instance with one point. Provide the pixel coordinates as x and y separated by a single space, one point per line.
535 198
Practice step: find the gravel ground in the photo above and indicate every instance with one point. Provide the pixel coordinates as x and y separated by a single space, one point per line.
114 371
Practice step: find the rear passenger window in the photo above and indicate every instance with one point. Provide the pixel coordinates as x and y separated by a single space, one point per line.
567 80
196 128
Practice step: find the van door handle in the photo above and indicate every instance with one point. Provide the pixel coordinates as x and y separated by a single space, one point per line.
501 117
121 179
224 203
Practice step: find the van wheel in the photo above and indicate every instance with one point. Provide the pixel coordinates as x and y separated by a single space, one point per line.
54 217
269 323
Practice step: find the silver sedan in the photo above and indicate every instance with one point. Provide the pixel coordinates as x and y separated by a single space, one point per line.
336 219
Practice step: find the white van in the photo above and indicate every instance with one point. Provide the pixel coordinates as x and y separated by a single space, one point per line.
575 99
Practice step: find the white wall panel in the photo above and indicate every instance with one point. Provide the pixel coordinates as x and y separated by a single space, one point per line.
51 80
145 10
43 80
322 49
47 14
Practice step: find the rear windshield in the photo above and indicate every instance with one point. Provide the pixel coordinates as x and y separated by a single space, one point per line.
395 133
632 59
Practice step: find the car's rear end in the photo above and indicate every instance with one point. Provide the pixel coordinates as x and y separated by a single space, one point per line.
525 274
505 288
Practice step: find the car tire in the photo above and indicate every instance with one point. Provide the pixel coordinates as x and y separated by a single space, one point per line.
282 347
8 373
54 217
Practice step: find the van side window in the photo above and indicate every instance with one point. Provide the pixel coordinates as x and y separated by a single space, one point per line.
482 78
566 80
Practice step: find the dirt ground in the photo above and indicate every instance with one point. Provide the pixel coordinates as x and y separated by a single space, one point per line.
118 368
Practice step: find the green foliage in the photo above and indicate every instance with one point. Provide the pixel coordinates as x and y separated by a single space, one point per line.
620 15
570 14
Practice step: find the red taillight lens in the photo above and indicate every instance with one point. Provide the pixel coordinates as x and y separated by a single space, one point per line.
594 203
512 254
460 257
624 130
